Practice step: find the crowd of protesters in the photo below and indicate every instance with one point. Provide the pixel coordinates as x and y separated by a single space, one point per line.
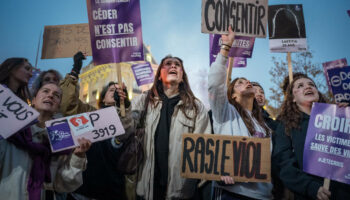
29 170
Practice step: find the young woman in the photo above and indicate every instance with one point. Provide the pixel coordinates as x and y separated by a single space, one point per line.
27 166
289 142
102 180
236 113
49 76
172 110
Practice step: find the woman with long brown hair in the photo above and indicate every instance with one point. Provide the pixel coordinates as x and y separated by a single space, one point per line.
289 140
172 109
236 113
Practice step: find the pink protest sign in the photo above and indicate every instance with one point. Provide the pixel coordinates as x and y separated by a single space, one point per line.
95 126
15 114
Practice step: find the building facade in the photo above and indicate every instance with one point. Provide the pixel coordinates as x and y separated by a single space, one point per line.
94 78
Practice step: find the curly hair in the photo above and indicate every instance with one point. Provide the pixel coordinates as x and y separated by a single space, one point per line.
290 115
6 68
256 112
186 94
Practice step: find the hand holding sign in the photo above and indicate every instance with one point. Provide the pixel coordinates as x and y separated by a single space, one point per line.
84 146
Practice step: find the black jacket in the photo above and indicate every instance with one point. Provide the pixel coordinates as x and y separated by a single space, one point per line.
101 180
287 156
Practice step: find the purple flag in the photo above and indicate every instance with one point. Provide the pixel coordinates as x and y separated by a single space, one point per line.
330 65
241 47
143 73
115 31
340 83
327 143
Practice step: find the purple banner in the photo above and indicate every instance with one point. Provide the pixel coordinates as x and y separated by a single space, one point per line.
330 65
327 143
241 47
115 31
60 136
239 62
143 73
340 83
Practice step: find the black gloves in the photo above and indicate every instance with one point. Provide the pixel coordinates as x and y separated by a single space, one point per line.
78 63
126 100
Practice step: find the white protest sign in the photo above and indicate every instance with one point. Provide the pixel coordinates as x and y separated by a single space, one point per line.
246 17
95 126
15 114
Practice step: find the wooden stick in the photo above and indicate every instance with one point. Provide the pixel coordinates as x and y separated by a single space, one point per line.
120 83
326 183
229 70
290 67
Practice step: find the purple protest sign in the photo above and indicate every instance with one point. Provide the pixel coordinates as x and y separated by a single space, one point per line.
60 136
239 62
340 83
330 65
115 31
241 47
143 73
327 143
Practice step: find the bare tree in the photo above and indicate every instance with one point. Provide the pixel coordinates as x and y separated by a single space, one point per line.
301 62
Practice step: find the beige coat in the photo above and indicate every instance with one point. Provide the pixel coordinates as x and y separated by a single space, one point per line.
178 187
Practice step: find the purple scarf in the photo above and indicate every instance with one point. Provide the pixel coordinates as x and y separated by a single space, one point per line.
41 154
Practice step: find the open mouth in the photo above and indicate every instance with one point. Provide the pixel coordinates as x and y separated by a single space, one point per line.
47 102
173 72
309 93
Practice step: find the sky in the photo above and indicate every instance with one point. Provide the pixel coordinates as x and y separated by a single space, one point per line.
173 27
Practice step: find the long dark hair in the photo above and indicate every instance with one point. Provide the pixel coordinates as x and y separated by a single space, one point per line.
290 114
100 103
186 94
6 68
256 112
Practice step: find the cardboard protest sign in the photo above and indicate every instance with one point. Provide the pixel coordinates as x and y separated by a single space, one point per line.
95 126
241 47
15 114
115 29
327 144
287 28
206 156
143 73
340 83
246 17
330 65
64 41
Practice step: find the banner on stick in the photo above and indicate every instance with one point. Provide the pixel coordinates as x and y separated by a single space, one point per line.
327 143
246 17
115 30
64 41
331 65
287 28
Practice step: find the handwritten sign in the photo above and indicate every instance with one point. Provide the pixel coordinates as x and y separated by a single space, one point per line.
331 65
241 47
15 114
64 41
327 143
287 28
95 126
143 73
340 83
206 156
115 31
246 17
